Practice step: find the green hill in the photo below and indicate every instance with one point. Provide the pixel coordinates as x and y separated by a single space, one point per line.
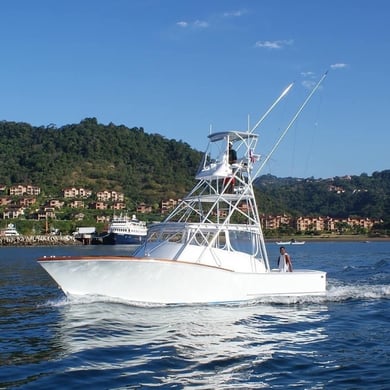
339 197
148 168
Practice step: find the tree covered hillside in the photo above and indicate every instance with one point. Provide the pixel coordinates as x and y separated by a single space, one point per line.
145 167
149 168
339 197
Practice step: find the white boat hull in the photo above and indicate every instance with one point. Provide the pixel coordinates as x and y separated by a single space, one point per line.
173 282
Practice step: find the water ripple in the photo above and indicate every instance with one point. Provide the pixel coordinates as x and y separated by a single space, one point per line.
337 341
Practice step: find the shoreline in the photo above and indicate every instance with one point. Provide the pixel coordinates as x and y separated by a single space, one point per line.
41 240
343 238
68 240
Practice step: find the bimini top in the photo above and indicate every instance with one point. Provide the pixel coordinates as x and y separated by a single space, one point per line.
232 134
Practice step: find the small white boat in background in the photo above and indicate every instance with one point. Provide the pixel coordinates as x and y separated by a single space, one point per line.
291 242
9 231
210 249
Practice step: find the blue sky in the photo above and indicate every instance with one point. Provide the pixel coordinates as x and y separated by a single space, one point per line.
177 67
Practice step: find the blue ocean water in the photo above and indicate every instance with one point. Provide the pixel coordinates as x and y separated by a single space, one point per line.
341 341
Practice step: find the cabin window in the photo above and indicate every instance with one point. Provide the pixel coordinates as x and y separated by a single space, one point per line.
208 239
221 240
172 236
153 237
242 241
201 238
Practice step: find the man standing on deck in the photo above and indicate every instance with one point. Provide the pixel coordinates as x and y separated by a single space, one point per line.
284 261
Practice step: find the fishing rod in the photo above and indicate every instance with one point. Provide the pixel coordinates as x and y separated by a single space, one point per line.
283 94
290 124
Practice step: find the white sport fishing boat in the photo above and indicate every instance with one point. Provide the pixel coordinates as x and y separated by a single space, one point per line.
291 242
210 249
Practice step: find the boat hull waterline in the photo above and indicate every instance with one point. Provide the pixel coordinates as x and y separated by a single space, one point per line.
159 281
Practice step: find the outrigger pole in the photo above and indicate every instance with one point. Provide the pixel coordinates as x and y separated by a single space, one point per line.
290 124
283 94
